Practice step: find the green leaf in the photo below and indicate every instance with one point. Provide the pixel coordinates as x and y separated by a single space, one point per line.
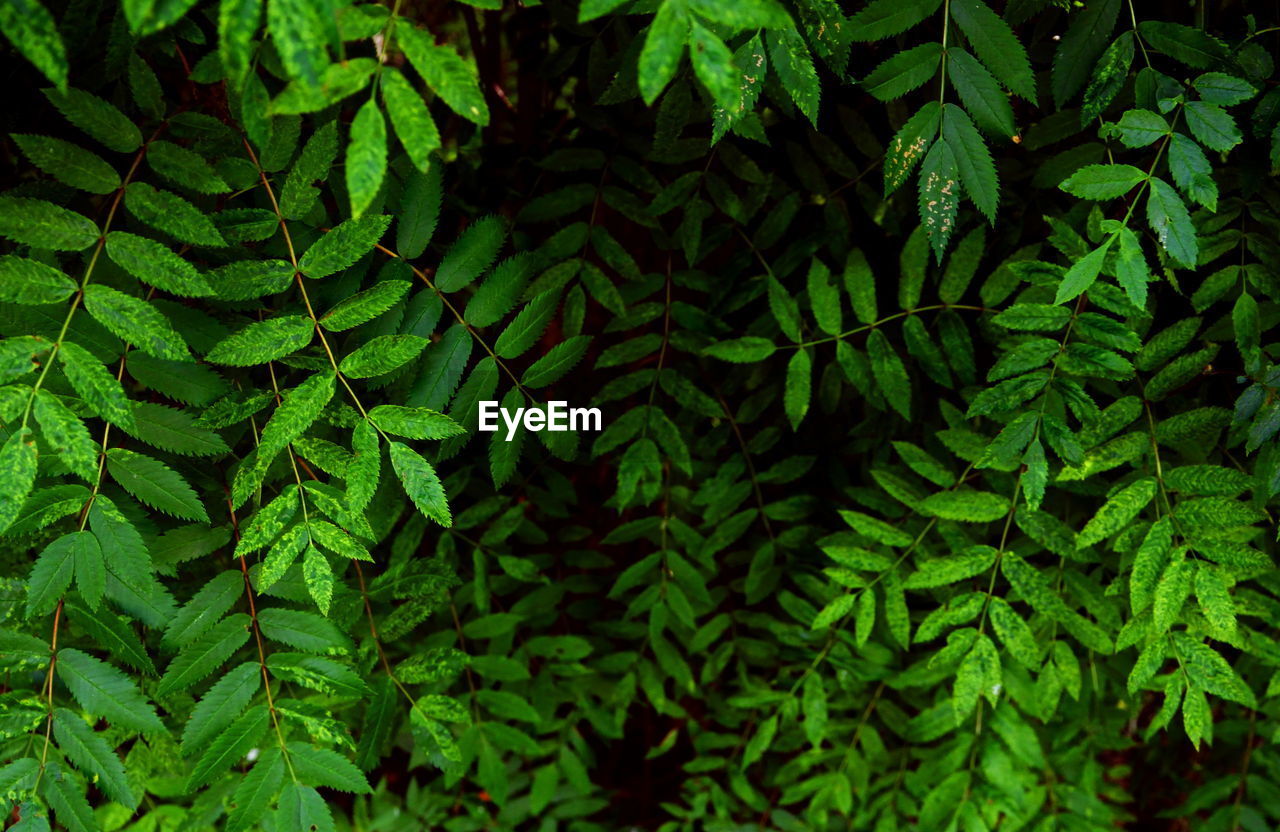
19 775
327 768
105 691
263 341
1208 480
939 196
41 224
1192 172
980 93
1082 274
91 571
382 354
1120 510
93 383
908 147
205 654
66 435
859 282
254 794
1179 372
1212 125
904 71
51 575
1108 77
948 570
714 67
229 746
380 717
882 19
1102 182
302 807
155 484
299 408
135 321
471 255
421 483
1168 217
419 210
204 610
414 422
835 611
221 704
663 46
91 754
1085 39
528 324
979 674
318 673
304 630
789 56
450 76
364 306
1187 44
500 291
1207 669
33 32
797 389
555 364
1132 272
111 631
17 474
824 298
174 430
336 540
267 524
889 372
67 797
238 22
299 193
965 506
1149 564
366 158
1213 591
147 18
1014 633
442 370
300 31
176 217
972 159
68 163
746 350
996 45
99 118
1222 89
145 87
1139 128
343 246
153 263
185 168
410 117
31 282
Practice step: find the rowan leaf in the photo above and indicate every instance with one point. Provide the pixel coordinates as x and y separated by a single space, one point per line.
410 118
343 246
205 653
446 73
135 321
421 483
104 691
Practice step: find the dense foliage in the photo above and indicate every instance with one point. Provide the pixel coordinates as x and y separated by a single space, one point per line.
932 338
